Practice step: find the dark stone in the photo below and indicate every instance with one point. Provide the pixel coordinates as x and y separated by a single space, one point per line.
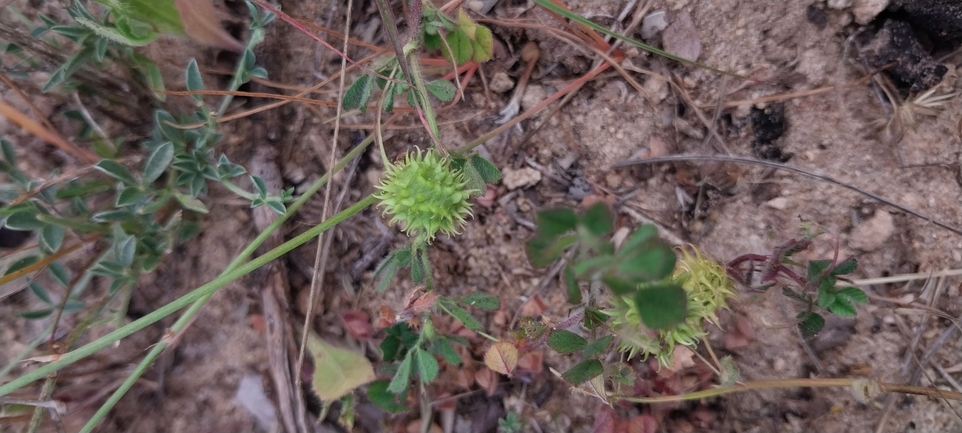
816 16
767 126
941 20
911 65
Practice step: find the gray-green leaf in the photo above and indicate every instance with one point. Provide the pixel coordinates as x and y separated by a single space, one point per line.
51 237
116 170
194 81
157 162
24 220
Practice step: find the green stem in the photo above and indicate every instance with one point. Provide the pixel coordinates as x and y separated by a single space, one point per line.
197 294
241 70
38 411
423 99
188 315
237 190
407 55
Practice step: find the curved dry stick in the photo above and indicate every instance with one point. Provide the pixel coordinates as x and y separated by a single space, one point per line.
801 383
812 174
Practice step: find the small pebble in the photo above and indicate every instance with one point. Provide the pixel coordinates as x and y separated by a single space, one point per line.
839 4
654 23
681 37
520 178
866 10
873 233
779 203
501 82
779 364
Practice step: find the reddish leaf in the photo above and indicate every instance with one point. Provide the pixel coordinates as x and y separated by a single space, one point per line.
605 421
387 317
416 302
489 197
463 377
258 322
502 357
358 324
641 424
487 380
532 362
423 303
534 307
744 327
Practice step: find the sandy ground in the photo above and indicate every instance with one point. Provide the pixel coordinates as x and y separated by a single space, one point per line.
746 209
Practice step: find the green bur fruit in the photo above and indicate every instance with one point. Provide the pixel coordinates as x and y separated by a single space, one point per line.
707 287
425 194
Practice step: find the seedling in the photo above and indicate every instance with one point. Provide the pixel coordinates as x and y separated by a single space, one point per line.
815 290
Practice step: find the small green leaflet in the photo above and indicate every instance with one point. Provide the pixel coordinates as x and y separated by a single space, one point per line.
481 300
583 372
443 90
461 314
427 366
662 305
566 341
359 94
379 395
400 381
811 324
598 346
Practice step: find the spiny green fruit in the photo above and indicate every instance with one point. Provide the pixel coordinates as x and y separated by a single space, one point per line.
425 194
707 286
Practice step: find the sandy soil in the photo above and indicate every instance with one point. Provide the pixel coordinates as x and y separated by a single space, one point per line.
745 209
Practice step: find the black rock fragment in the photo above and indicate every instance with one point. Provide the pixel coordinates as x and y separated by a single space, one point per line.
768 125
816 16
941 20
911 65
